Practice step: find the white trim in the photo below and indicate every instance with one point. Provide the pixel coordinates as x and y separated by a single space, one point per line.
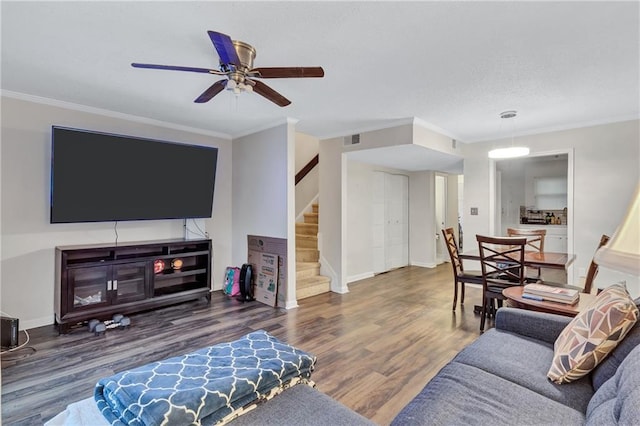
429 265
308 208
579 125
570 197
359 277
279 122
291 304
372 128
36 322
109 113
327 271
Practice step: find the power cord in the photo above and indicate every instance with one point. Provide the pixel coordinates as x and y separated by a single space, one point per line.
200 231
115 229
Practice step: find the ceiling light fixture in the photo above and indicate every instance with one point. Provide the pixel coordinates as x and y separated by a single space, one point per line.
512 151
238 87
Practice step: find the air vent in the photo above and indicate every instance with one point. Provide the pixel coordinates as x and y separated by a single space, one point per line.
352 140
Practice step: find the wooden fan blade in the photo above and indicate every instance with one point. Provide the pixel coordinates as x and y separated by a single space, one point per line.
177 68
224 47
287 72
215 88
266 91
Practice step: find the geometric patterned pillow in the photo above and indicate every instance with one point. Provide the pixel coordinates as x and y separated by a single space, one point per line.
592 334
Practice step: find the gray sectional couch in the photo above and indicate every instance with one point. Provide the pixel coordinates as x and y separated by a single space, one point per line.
501 378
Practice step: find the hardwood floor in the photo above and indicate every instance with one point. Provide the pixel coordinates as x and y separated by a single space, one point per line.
377 346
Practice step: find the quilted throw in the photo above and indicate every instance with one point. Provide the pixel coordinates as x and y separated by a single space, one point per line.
202 387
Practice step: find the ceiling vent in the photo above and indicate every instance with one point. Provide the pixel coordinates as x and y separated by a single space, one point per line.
352 140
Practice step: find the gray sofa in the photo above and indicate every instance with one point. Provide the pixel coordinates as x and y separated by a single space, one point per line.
501 378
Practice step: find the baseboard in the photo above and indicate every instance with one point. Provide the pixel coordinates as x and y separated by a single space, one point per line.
36 322
424 264
359 277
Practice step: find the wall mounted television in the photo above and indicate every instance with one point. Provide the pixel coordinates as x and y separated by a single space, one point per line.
102 177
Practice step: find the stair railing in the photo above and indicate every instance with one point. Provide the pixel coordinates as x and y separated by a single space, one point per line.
306 169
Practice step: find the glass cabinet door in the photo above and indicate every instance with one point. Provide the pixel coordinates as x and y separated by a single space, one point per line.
89 286
129 282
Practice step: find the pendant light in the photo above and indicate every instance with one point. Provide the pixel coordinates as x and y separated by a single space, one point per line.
512 151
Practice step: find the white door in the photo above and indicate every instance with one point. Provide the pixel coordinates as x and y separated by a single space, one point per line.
390 221
441 214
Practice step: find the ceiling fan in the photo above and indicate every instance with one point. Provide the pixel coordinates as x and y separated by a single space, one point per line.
236 64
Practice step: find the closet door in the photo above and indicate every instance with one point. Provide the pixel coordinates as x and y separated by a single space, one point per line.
390 221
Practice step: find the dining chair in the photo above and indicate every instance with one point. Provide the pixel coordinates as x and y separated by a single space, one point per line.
502 263
535 240
460 276
591 273
593 267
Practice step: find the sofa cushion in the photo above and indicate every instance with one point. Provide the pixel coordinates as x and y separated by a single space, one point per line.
301 405
525 362
462 394
609 366
616 402
593 334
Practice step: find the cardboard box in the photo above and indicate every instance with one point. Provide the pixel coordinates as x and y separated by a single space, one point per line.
274 246
266 283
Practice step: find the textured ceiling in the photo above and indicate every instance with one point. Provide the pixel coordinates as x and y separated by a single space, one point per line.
453 65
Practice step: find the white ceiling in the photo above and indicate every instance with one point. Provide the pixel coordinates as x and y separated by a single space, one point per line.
453 65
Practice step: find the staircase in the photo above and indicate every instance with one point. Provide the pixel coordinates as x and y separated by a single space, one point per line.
309 282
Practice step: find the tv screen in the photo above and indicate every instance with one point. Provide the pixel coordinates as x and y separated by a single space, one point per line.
98 177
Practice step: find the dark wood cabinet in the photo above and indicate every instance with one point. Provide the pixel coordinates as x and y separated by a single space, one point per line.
99 280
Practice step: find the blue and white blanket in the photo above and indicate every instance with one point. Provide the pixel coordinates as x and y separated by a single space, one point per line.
202 387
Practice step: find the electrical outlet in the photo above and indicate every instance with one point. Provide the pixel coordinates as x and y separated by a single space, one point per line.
474 211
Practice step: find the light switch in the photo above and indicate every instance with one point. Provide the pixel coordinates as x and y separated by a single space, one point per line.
474 211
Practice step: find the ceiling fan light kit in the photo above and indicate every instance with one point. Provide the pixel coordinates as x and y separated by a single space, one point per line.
236 64
512 151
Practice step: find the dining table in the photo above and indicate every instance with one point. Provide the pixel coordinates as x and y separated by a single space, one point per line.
547 259
536 259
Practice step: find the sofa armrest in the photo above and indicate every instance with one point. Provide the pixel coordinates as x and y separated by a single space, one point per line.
537 325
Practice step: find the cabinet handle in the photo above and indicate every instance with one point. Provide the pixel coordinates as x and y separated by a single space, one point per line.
109 285
115 284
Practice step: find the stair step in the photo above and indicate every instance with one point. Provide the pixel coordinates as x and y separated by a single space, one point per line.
308 287
307 270
306 241
315 208
311 218
307 228
307 254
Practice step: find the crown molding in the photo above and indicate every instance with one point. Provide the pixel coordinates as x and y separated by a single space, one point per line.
109 113
271 125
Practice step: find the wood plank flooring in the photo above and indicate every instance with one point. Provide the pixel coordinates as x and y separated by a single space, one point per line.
377 346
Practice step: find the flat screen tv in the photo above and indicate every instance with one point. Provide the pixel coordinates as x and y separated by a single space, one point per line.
100 177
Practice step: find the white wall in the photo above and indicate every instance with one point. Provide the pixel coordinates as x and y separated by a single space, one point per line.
359 207
307 188
264 193
330 236
29 240
422 220
606 173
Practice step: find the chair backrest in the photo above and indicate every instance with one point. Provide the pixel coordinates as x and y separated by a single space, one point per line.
535 237
502 260
452 248
593 267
